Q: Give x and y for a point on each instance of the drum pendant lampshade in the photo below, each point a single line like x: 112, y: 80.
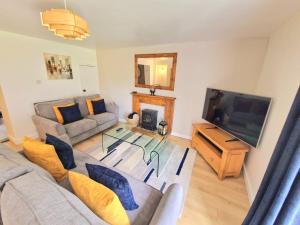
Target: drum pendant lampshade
x: 65, y: 23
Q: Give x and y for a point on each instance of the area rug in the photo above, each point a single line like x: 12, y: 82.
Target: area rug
x: 176, y: 162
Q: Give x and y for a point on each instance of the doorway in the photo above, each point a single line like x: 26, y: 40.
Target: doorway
x: 89, y: 79
x: 3, y: 132
x: 4, y: 121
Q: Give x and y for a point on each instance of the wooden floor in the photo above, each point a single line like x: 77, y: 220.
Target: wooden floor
x: 209, y: 201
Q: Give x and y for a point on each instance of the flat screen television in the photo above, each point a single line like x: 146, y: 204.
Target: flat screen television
x: 241, y: 115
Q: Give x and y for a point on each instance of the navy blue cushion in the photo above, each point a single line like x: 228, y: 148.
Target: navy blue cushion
x: 115, y: 182
x: 70, y: 113
x: 99, y: 106
x: 63, y: 150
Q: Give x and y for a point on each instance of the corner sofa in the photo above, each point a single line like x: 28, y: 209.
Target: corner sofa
x: 29, y: 195
x: 72, y: 133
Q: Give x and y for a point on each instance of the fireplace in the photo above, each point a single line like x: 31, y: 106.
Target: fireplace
x: 149, y: 119
x: 164, y: 101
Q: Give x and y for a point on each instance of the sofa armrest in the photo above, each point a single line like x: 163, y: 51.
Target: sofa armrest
x: 112, y: 108
x: 169, y: 207
x: 45, y: 125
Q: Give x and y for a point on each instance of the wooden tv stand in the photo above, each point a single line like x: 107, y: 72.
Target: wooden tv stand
x: 224, y: 156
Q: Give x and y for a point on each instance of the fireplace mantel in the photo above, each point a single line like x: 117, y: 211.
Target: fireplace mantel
x: 164, y: 101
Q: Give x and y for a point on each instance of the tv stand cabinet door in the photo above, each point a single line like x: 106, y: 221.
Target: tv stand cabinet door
x: 232, y: 163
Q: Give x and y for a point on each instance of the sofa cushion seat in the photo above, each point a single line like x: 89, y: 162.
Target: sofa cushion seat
x: 102, y: 118
x: 80, y: 126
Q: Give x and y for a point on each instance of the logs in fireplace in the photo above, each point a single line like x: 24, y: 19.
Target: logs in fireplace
x: 149, y: 119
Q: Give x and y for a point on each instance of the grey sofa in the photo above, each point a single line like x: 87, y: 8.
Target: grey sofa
x: 46, y: 122
x: 30, y: 195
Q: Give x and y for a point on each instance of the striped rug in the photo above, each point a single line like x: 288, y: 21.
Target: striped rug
x: 176, y: 162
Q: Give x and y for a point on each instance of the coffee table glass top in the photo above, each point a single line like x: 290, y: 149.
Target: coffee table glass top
x: 154, y: 146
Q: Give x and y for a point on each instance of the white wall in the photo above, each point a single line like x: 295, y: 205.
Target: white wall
x: 232, y: 65
x: 23, y: 77
x: 280, y: 79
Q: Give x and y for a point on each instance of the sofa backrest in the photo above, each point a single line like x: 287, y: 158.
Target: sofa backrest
x: 81, y: 100
x: 45, y: 109
x: 14, y: 164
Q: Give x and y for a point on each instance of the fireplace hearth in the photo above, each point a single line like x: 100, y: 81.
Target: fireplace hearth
x: 149, y: 119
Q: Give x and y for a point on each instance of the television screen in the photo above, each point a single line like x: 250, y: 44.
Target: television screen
x: 241, y: 115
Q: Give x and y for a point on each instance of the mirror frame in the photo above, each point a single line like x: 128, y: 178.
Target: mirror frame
x: 157, y: 55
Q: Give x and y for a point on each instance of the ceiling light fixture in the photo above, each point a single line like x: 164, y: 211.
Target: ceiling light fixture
x: 65, y: 23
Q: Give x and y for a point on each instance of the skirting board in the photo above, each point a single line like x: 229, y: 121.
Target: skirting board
x: 250, y: 193
x: 122, y: 120
x: 181, y: 135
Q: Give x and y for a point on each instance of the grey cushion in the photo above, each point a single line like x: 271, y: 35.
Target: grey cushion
x: 22, y: 161
x: 82, y: 103
x: 45, y: 109
x: 80, y: 126
x: 10, y: 170
x: 103, y: 117
x: 146, y: 196
x: 169, y: 207
x: 35, y: 200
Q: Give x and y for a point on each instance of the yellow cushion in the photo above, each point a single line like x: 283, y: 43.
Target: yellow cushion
x: 45, y: 156
x: 58, y: 115
x: 90, y: 105
x: 101, y: 200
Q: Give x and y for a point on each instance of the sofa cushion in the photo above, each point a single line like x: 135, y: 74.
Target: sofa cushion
x: 102, y: 118
x: 70, y: 113
x: 45, y: 109
x: 90, y: 105
x: 58, y: 114
x: 145, y: 196
x: 98, y: 106
x: 82, y: 103
x: 115, y: 182
x: 45, y: 156
x: 21, y: 160
x: 80, y: 126
x: 63, y: 150
x: 10, y: 170
x: 100, y: 199
x: 35, y: 200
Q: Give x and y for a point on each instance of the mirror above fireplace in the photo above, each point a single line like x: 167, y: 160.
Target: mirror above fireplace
x: 155, y: 70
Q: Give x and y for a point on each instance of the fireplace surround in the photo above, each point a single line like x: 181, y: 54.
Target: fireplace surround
x: 164, y: 101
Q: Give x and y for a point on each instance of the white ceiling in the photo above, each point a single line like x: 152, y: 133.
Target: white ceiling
x: 118, y: 23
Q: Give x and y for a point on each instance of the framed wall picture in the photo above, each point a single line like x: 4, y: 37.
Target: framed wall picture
x: 58, y: 66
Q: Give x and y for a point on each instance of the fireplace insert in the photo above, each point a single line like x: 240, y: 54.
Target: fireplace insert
x: 149, y: 119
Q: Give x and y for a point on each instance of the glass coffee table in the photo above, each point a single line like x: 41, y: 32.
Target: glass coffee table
x: 150, y: 142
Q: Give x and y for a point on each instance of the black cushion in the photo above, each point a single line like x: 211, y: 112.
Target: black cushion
x: 115, y: 182
x: 70, y: 113
x: 99, y: 106
x: 63, y: 150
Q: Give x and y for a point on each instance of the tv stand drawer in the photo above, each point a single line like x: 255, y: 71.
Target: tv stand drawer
x: 208, y: 152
